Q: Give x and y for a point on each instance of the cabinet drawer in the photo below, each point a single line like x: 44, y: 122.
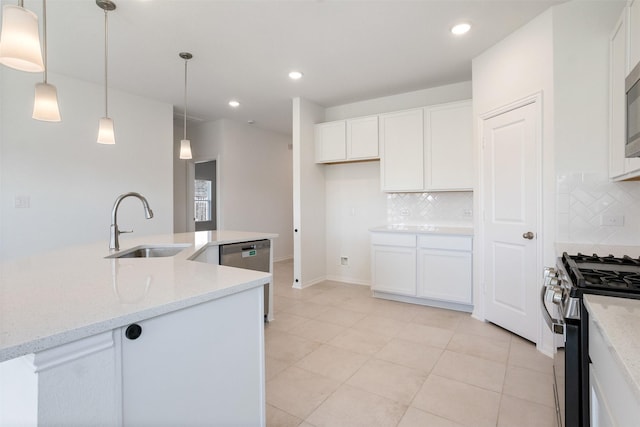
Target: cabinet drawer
x: 391, y: 239
x: 454, y: 243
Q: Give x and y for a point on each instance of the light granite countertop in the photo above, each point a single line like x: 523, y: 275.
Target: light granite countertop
x: 55, y: 298
x: 619, y: 318
x: 432, y: 228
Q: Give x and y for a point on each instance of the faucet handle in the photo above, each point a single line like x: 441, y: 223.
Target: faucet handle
x: 124, y: 231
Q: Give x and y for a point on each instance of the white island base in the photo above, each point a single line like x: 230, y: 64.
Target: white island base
x: 201, y: 365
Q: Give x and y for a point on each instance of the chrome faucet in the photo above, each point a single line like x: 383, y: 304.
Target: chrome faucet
x: 114, y: 241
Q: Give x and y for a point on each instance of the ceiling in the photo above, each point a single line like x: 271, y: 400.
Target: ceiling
x: 243, y: 50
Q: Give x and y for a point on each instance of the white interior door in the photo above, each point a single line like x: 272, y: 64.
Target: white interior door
x: 511, y: 197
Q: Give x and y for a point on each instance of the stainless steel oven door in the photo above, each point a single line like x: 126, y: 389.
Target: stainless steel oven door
x: 551, y: 297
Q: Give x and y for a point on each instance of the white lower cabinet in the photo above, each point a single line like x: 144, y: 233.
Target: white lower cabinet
x: 394, y: 263
x: 613, y: 401
x: 423, y: 269
x: 444, y: 268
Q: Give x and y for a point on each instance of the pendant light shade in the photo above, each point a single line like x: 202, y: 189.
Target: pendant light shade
x: 45, y: 106
x: 185, y: 144
x: 20, y: 40
x: 185, y: 149
x: 106, y: 134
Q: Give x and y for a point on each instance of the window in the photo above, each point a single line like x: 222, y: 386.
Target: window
x: 202, y: 200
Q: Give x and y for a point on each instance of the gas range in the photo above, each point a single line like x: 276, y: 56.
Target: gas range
x: 564, y: 312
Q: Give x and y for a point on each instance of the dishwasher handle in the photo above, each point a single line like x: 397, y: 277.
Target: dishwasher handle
x: 247, y: 248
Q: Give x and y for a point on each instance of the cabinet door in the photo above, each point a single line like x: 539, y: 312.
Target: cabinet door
x: 444, y: 275
x: 362, y: 138
x: 617, y: 102
x: 448, y: 135
x: 634, y: 34
x: 394, y: 269
x: 202, y: 365
x: 402, y: 148
x: 600, y: 412
x: 331, y: 143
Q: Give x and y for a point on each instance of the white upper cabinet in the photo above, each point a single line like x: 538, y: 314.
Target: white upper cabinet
x: 402, y: 151
x: 347, y: 140
x: 618, y: 72
x: 448, y: 147
x: 620, y: 168
x: 330, y: 141
x: 634, y: 34
x: 362, y: 138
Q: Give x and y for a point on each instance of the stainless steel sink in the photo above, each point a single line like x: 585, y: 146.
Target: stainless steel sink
x: 150, y: 251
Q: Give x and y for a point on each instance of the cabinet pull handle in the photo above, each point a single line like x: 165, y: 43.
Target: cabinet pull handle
x: 528, y: 235
x: 133, y: 331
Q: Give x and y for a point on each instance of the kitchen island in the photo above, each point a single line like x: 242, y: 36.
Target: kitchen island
x: 70, y: 357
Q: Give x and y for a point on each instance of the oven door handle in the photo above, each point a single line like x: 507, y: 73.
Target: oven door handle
x: 556, y: 325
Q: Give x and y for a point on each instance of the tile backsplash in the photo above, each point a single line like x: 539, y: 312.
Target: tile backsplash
x: 421, y: 208
x: 595, y: 211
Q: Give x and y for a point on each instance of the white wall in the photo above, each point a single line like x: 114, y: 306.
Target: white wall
x: 71, y: 180
x: 257, y: 184
x: 255, y: 187
x: 354, y: 203
x: 584, y: 193
x: 519, y: 66
x: 403, y: 101
x: 308, y: 198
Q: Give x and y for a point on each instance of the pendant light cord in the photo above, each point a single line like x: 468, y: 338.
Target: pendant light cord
x: 185, y: 98
x: 44, y: 39
x: 106, y: 62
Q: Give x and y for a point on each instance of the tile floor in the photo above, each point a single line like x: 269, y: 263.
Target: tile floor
x: 335, y: 356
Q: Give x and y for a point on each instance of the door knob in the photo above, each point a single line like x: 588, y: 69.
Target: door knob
x: 527, y: 235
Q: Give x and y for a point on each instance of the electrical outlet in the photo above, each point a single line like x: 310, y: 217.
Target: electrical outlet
x: 405, y: 212
x: 467, y: 212
x: 344, y: 260
x: 612, y: 220
x: 22, y: 202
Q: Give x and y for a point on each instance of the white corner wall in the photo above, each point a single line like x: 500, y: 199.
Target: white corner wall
x: 519, y: 66
x: 71, y: 182
x: 255, y: 170
x: 309, y: 242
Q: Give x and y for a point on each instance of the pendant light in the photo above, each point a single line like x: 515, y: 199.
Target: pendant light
x: 45, y: 104
x: 20, y: 39
x: 106, y: 134
x: 185, y: 144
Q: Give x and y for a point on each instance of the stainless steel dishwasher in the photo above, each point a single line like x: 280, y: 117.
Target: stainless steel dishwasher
x: 253, y: 255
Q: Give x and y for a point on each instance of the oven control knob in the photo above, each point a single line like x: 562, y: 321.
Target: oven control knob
x: 557, y: 296
x: 554, y: 282
x: 549, y: 271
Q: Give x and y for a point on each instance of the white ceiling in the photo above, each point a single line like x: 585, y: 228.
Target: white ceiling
x: 348, y: 50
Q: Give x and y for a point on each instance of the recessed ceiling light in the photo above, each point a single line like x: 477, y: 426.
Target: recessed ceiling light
x: 295, y: 75
x: 460, y: 29
x: 234, y: 104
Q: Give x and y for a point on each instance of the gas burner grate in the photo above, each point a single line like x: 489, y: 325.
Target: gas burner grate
x: 609, y: 259
x: 608, y: 273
